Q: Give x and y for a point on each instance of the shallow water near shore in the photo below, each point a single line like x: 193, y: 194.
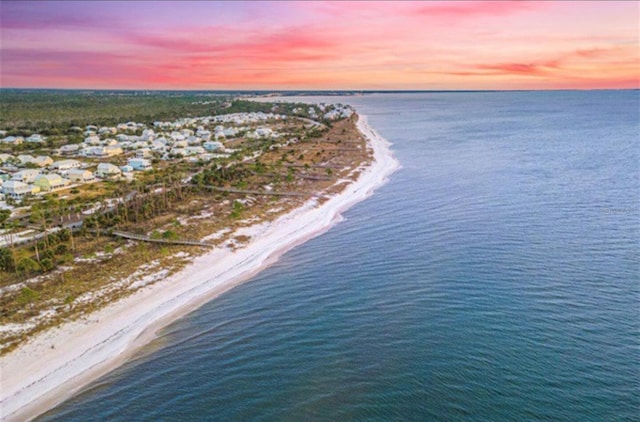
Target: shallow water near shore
x: 495, y: 277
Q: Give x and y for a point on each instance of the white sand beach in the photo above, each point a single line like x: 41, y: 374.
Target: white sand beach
x: 59, y: 362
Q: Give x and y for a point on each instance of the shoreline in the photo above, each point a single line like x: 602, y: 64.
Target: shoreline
x: 61, y: 361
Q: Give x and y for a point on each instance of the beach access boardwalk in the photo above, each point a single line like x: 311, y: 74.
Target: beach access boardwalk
x: 144, y: 238
x: 254, y: 192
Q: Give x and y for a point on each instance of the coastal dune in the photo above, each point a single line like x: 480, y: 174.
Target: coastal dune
x: 58, y: 363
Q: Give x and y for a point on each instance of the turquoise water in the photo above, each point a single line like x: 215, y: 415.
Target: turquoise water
x: 495, y: 277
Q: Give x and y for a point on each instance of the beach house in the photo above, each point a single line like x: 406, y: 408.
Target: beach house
x: 49, y: 182
x: 112, y: 150
x: 17, y: 190
x: 24, y: 159
x: 69, y: 149
x: 140, y: 164
x: 212, y: 146
x: 13, y: 140
x: 26, y: 176
x: 6, y: 157
x: 193, y: 150
x: 92, y: 140
x: 80, y: 176
x: 64, y: 165
x: 35, y: 138
x: 107, y: 171
x: 42, y: 161
x: 144, y: 153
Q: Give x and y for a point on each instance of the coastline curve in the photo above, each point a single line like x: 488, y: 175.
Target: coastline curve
x: 36, y: 377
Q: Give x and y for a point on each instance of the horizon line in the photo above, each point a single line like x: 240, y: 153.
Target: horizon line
x: 316, y: 90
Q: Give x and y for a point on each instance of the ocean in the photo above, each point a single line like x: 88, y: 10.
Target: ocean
x: 496, y: 277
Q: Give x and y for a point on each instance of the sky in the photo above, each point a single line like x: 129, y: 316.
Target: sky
x: 435, y: 45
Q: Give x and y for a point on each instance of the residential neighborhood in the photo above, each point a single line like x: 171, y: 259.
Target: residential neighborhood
x: 113, y: 152
x: 119, y: 152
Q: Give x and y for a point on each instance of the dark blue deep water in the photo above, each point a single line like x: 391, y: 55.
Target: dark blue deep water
x: 496, y: 277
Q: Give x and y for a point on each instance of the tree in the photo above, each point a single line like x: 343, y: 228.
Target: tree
x: 4, y: 215
x: 6, y: 259
x: 46, y: 264
x: 27, y: 266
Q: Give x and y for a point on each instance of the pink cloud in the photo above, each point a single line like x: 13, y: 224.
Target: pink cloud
x: 536, y: 69
x: 465, y: 9
x: 420, y: 44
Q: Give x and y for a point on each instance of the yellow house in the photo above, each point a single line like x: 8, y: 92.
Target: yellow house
x: 49, y: 182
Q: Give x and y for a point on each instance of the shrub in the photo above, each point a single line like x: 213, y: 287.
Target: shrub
x: 46, y: 264
x: 6, y: 259
x: 27, y: 295
x: 170, y: 235
x: 27, y: 265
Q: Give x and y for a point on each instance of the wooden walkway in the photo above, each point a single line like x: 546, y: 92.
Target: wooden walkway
x: 143, y: 238
x: 303, y: 176
x: 254, y: 192
x: 319, y: 147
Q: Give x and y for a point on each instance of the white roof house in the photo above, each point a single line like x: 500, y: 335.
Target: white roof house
x: 80, y: 175
x: 177, y: 136
x: 66, y: 165
x: 106, y: 170
x: 93, y: 152
x: 16, y: 189
x: 26, y: 176
x: 179, y: 152
x: 69, y: 148
x: 148, y: 134
x: 144, y: 153
x: 158, y: 146
x: 105, y: 129
x: 140, y: 164
x: 25, y: 158
x: 140, y: 144
x: 230, y: 132
x: 35, y: 138
x: 204, y: 134
x: 42, y: 161
x: 13, y: 140
x: 92, y: 140
x: 194, y: 150
x: 212, y: 146
x: 6, y: 157
x: 263, y: 131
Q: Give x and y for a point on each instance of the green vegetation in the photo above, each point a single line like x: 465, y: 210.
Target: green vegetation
x: 56, y: 112
x: 177, y: 200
